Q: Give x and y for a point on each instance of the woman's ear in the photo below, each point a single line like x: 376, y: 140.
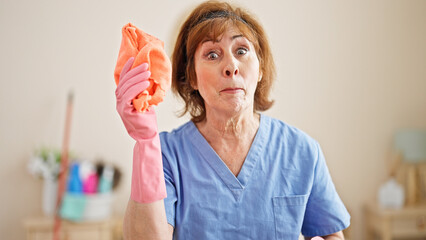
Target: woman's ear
x: 260, y: 75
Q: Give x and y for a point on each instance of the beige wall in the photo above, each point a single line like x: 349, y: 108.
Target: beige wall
x: 349, y: 73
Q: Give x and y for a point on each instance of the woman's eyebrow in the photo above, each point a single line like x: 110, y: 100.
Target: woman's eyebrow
x: 207, y: 40
x: 218, y: 40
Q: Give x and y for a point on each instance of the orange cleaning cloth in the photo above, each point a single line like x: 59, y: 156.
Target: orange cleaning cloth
x: 145, y: 49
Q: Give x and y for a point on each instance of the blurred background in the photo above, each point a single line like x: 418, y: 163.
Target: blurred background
x: 349, y: 73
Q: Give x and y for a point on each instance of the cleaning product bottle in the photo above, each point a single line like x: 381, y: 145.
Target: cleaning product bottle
x: 74, y: 181
x: 105, y: 182
x: 91, y: 184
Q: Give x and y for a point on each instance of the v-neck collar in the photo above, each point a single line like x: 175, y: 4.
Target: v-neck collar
x: 235, y: 184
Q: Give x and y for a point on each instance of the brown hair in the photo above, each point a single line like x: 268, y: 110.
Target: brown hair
x: 211, y: 19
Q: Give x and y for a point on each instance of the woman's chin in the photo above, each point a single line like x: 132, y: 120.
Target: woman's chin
x: 234, y: 108
x: 230, y: 105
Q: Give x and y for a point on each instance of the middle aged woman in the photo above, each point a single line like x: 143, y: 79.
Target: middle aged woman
x: 231, y: 172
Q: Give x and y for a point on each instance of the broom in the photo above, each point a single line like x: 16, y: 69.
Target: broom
x: 63, y: 173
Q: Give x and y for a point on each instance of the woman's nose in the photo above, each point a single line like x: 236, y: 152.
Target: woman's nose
x: 230, y: 69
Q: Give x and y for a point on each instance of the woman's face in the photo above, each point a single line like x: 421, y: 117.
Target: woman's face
x: 227, y: 73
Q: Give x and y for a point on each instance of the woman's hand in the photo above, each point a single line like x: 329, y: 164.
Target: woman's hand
x: 131, y: 83
x: 148, y: 184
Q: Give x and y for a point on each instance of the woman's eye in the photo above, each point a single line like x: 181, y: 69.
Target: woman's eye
x: 241, y: 51
x: 212, y: 55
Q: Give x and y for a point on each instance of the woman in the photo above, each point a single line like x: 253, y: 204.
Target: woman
x: 230, y: 173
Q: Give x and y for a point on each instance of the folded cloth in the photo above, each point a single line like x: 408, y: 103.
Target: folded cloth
x: 145, y: 49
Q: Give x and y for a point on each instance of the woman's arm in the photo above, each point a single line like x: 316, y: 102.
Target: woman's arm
x: 146, y: 221
x: 334, y: 236
x: 145, y: 216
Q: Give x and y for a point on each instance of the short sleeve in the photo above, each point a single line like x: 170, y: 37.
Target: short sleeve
x: 325, y: 212
x: 171, y: 199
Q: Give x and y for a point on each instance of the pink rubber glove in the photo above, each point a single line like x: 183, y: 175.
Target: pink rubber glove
x: 148, y: 183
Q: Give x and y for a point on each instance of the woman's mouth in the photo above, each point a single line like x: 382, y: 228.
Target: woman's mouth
x: 232, y: 90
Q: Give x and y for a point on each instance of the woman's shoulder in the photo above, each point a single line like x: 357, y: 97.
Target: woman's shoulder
x: 178, y: 136
x: 177, y: 131
x: 282, y: 127
x: 285, y: 132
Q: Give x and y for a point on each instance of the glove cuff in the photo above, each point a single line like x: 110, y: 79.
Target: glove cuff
x: 148, y: 184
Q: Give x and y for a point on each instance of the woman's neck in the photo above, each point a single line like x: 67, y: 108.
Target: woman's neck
x: 230, y: 137
x: 229, y: 127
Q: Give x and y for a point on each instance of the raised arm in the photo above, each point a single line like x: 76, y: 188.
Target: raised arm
x: 145, y: 215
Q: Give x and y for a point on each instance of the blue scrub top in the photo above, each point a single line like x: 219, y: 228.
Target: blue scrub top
x: 284, y: 187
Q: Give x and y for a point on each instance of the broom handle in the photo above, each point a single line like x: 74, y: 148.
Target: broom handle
x: 63, y: 173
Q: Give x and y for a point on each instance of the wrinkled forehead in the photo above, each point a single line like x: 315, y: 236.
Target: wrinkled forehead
x: 229, y: 35
x: 215, y: 29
